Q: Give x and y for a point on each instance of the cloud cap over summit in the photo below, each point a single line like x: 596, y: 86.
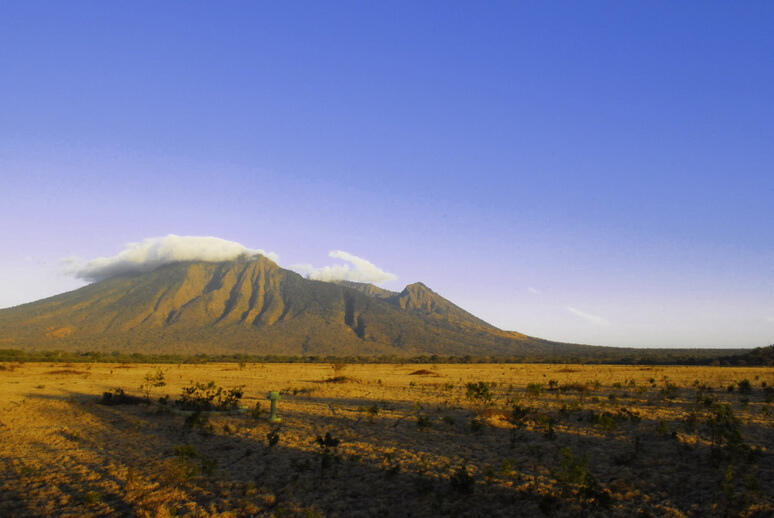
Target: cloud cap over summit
x: 150, y: 253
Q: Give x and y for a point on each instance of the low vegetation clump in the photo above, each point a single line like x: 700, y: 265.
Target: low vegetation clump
x: 329, y: 453
x: 189, y: 463
x: 119, y: 397
x: 480, y: 392
x: 422, y: 372
x: 462, y: 481
x: 339, y: 379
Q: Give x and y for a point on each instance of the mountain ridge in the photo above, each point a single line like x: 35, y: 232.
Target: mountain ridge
x: 252, y: 305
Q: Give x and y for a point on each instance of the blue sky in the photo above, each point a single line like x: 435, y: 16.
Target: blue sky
x: 598, y: 172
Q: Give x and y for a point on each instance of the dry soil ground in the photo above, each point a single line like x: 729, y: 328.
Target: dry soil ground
x: 533, y: 440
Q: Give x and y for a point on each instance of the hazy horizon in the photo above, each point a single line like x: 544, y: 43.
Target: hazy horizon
x: 591, y: 173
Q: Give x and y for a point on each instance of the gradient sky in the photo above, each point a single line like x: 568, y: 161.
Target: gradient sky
x: 596, y: 172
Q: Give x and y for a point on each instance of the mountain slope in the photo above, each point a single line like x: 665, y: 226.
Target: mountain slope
x: 252, y: 305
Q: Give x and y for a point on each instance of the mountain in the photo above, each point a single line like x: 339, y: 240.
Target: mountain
x: 251, y: 305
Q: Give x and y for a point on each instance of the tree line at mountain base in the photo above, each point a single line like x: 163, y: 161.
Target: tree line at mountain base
x: 757, y: 356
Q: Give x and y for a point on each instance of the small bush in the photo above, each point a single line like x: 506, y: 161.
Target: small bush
x: 190, y: 463
x: 92, y: 498
x: 745, y: 387
x: 200, y: 421
x: 203, y: 397
x: 669, y: 391
x: 155, y: 380
x: 723, y: 427
x: 479, y: 392
x: 329, y: 451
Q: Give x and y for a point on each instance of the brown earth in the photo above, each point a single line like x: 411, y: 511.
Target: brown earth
x: 608, y: 441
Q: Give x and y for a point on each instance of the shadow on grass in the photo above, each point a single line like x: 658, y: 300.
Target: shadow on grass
x: 377, y: 470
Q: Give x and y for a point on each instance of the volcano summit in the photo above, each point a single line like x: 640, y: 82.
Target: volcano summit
x: 251, y: 305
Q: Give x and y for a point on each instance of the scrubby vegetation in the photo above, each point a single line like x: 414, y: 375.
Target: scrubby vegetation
x: 209, y: 396
x: 548, y: 440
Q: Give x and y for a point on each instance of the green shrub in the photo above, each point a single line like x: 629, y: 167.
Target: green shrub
x: 577, y: 387
x: 479, y: 392
x: 273, y: 437
x: 190, y: 463
x: 423, y: 422
x: 154, y: 380
x: 92, y: 498
x: 534, y: 389
x: 669, y: 391
x: 573, y: 470
x: 208, y: 396
x: 606, y: 421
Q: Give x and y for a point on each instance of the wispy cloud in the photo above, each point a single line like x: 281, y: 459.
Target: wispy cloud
x: 770, y: 319
x: 534, y: 291
x: 153, y: 252
x: 358, y: 269
x: 593, y: 319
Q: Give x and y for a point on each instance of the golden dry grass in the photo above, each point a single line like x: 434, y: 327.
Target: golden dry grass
x: 637, y: 442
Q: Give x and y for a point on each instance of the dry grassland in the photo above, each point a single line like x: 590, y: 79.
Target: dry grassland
x: 531, y: 440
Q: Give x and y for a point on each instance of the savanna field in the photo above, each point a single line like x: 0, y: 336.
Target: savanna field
x: 385, y: 440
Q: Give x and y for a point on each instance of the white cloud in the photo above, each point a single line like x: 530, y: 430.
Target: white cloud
x: 156, y: 251
x: 534, y: 291
x: 151, y: 253
x: 594, y: 319
x: 770, y: 319
x: 359, y: 270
